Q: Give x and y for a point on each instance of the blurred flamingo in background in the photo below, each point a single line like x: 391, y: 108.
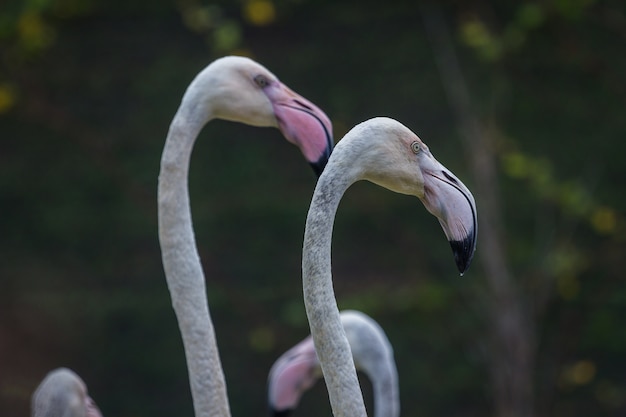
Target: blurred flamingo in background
x: 62, y: 393
x: 298, y: 369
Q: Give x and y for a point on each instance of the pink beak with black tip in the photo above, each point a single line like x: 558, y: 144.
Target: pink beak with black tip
x: 303, y: 124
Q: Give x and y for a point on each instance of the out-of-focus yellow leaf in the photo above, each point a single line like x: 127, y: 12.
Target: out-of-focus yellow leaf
x: 200, y: 18
x: 530, y: 15
x: 515, y: 165
x: 579, y: 373
x: 262, y: 339
x: 227, y: 36
x: 604, y: 220
x: 33, y: 31
x: 568, y: 286
x: 474, y: 33
x: 259, y: 12
x: 540, y: 171
x: 7, y: 98
x: 574, y: 198
x: 565, y: 263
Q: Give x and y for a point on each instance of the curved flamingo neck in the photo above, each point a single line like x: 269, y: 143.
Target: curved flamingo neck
x: 328, y: 333
x: 183, y: 270
x: 373, y: 355
x: 384, y: 380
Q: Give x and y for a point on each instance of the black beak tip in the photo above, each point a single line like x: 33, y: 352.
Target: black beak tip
x: 318, y: 167
x: 320, y: 164
x: 279, y: 413
x: 463, y: 251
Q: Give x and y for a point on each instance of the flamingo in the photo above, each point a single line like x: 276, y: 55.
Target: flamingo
x: 236, y: 89
x: 298, y: 369
x: 62, y: 393
x: 387, y: 153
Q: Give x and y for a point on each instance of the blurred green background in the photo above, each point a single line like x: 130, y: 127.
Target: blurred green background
x: 522, y: 100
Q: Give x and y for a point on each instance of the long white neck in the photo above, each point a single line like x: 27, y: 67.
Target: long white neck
x: 183, y: 270
x: 373, y: 355
x: 384, y: 380
x: 328, y: 334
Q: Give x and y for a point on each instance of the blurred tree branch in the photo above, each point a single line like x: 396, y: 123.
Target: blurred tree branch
x: 512, y: 348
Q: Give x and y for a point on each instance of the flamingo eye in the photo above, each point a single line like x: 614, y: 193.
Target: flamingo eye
x: 261, y: 81
x: 415, y: 147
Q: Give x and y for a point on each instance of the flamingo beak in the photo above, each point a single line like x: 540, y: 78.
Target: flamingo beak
x: 448, y: 199
x: 92, y: 408
x: 291, y: 375
x: 281, y: 413
x: 303, y: 124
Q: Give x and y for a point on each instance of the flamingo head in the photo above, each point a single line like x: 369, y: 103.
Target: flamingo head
x: 62, y: 392
x: 291, y: 375
x: 239, y: 89
x: 392, y: 156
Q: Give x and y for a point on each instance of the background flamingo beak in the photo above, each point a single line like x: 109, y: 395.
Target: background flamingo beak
x: 290, y: 376
x: 303, y: 124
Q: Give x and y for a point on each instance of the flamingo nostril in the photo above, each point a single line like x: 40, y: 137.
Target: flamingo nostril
x: 306, y: 106
x: 449, y: 177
